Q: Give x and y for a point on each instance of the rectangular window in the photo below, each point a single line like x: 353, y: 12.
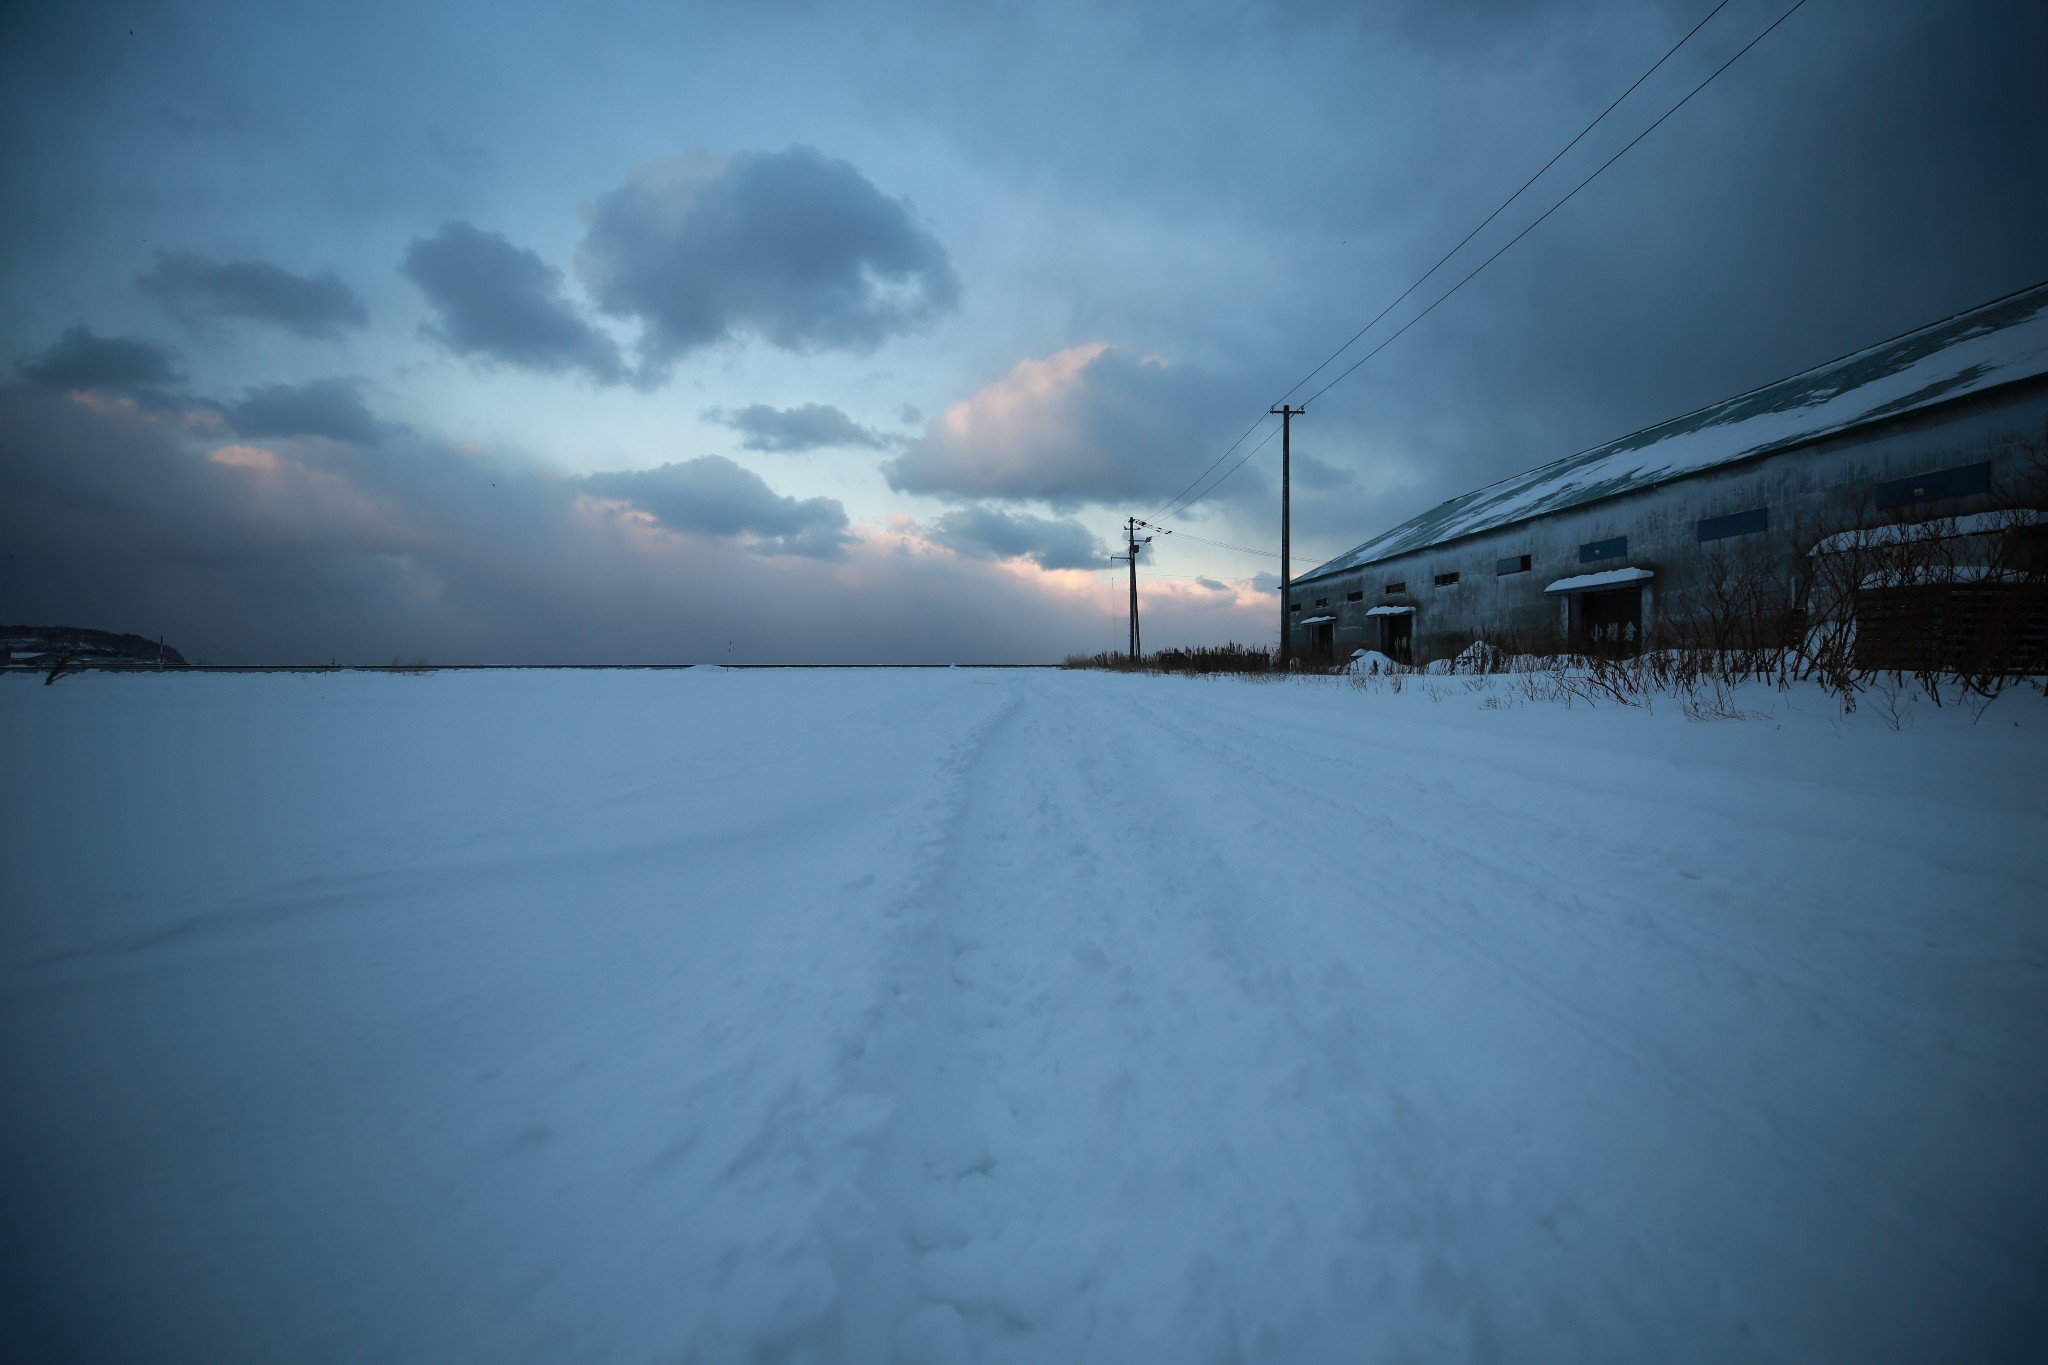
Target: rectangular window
x: 1942, y: 483
x: 1593, y: 551
x: 1295, y: 607
x: 1512, y: 564
x: 1322, y: 601
x: 1735, y: 524
x: 1444, y: 580
x: 1396, y: 589
x: 1354, y: 597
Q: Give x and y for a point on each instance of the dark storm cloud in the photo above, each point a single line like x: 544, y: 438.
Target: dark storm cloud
x: 1090, y: 424
x: 333, y: 408
x: 500, y: 302
x: 814, y: 426
x: 990, y: 533
x: 199, y: 290
x: 793, y: 247
x: 711, y: 495
x: 81, y: 360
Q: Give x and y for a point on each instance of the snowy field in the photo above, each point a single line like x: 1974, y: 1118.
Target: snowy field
x: 964, y: 1015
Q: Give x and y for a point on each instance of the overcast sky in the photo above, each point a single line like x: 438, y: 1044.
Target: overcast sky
x: 620, y: 332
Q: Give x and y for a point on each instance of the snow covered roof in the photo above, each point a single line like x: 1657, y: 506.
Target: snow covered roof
x: 1391, y: 611
x: 1606, y: 578
x: 1316, y: 621
x: 1995, y: 344
x: 1942, y: 528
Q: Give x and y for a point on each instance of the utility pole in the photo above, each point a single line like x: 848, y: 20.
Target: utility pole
x: 1286, y: 416
x: 1130, y: 556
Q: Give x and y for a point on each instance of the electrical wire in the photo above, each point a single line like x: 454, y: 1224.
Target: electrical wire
x: 1167, y: 508
x: 1176, y: 511
x: 1796, y: 6
x: 1467, y: 279
x: 1420, y: 279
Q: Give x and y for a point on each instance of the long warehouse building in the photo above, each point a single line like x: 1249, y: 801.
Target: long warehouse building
x: 1942, y: 427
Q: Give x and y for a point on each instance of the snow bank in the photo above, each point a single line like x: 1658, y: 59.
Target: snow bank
x: 955, y: 1016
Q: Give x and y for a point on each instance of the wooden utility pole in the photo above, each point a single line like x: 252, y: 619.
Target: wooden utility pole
x: 1130, y: 556
x: 1287, y: 416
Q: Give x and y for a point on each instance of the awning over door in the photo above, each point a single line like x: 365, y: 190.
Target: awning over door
x: 1316, y: 621
x: 1391, y: 611
x: 1594, y: 582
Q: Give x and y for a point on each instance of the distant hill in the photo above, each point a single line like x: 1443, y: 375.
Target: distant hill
x: 47, y: 644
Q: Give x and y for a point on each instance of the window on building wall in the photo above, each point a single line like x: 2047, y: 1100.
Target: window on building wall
x: 1942, y: 483
x: 1322, y: 601
x: 1593, y: 551
x: 1735, y: 524
x: 1444, y: 580
x: 1295, y: 607
x: 1354, y: 597
x: 1512, y: 564
x: 1396, y: 589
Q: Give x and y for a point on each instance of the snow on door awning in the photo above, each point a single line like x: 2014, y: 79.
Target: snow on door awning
x: 1391, y: 611
x: 1318, y: 621
x: 1606, y: 578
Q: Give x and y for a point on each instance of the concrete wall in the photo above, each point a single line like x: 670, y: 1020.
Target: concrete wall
x: 1810, y: 490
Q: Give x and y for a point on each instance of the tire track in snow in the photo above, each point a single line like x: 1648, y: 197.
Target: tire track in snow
x: 1108, y: 1129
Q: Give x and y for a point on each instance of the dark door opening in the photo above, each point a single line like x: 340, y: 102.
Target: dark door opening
x: 1611, y: 623
x: 1397, y: 634
x: 1322, y: 640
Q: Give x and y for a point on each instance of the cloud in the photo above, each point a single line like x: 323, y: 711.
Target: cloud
x: 500, y: 302
x: 711, y: 495
x: 1320, y: 476
x: 989, y: 533
x: 1092, y: 423
x: 333, y: 408
x: 80, y: 360
x: 814, y: 426
x: 199, y: 290
x: 117, y: 514
x: 793, y: 247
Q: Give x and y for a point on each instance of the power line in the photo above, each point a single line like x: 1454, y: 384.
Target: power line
x: 1168, y: 508
x: 1353, y: 367
x: 1176, y: 511
x: 1507, y: 201
x: 1796, y: 5
x: 1219, y: 544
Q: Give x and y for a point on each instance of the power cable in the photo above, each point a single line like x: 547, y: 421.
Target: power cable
x: 1796, y: 5
x: 1167, y: 508
x: 1353, y: 367
x: 1164, y: 508
x: 1505, y: 202
x: 1176, y: 511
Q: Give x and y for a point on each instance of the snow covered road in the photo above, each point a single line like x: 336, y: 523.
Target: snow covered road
x: 971, y: 1015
